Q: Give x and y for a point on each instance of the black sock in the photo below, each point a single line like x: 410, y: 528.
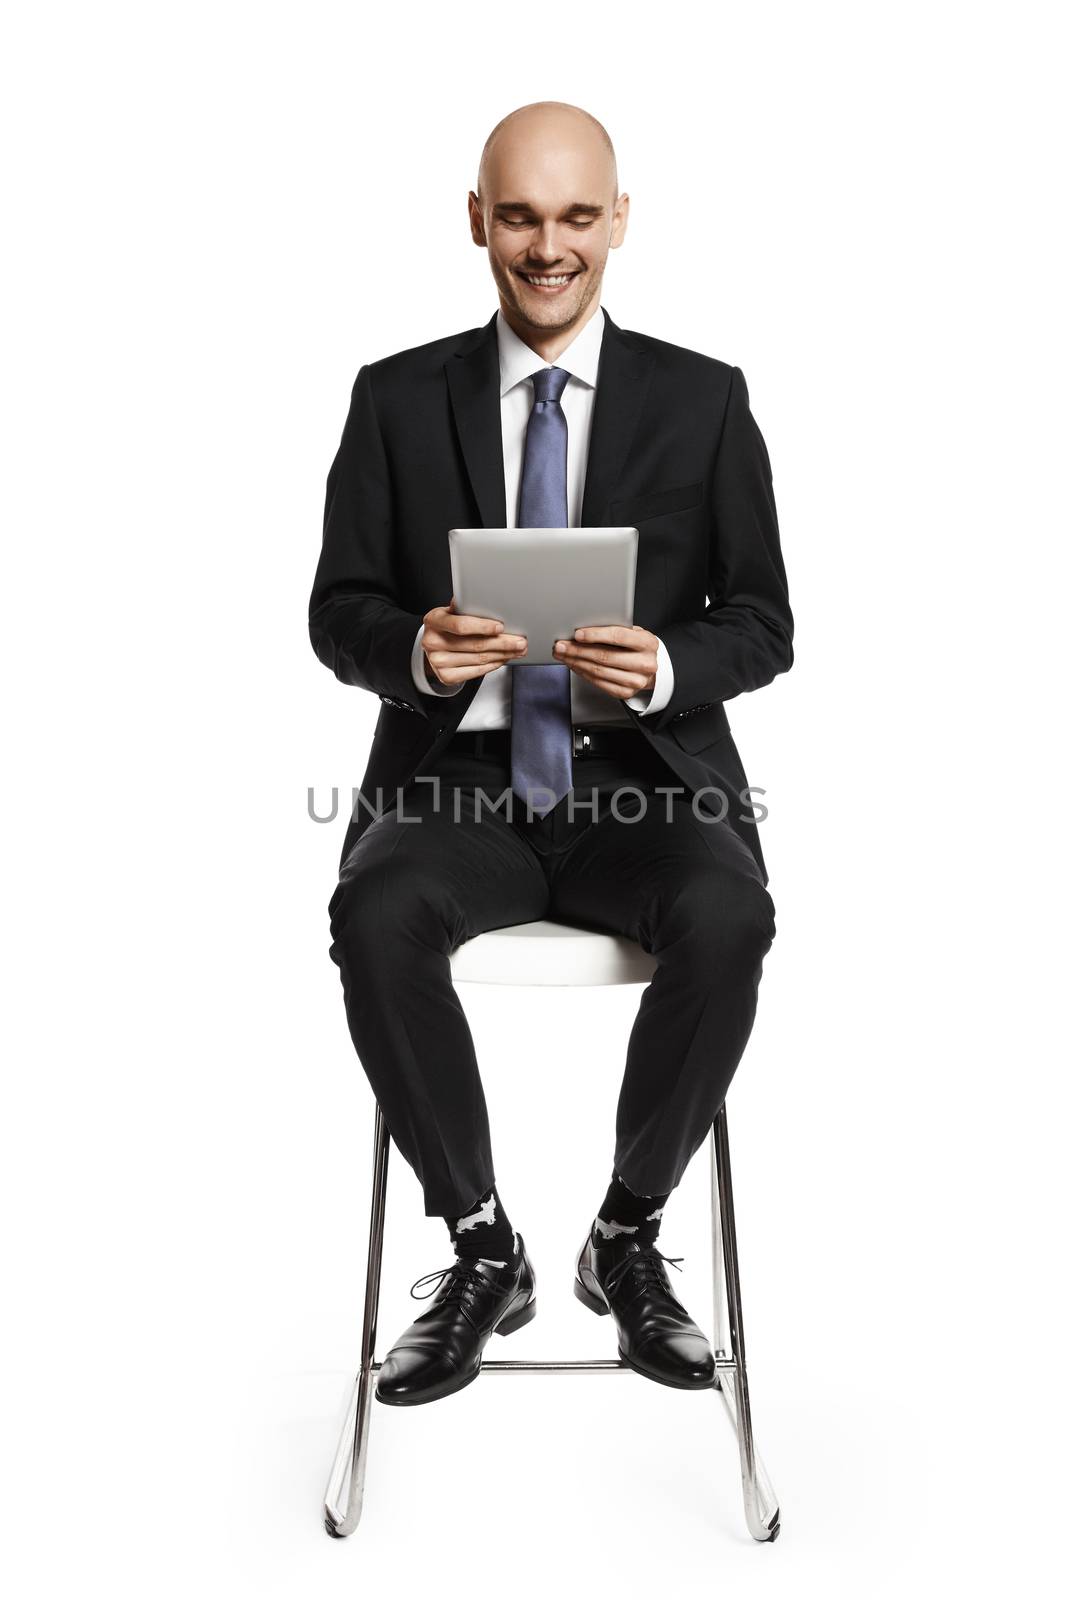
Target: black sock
x: 638, y: 1216
x: 484, y: 1232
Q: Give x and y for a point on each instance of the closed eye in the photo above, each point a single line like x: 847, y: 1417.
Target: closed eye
x: 518, y: 222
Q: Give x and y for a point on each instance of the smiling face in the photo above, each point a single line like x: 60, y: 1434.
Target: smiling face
x: 548, y: 212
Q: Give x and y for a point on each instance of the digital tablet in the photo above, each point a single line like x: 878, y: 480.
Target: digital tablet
x: 545, y: 582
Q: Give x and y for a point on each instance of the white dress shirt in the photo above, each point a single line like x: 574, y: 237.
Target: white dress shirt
x: 491, y: 705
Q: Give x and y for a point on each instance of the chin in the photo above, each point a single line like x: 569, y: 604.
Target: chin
x: 546, y: 318
x: 552, y: 314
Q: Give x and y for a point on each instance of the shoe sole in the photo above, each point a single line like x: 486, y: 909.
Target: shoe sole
x: 602, y: 1309
x: 513, y: 1320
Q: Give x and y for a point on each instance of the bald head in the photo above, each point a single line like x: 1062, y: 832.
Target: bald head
x: 545, y: 125
x: 548, y: 210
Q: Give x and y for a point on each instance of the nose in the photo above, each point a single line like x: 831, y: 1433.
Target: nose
x: 545, y: 248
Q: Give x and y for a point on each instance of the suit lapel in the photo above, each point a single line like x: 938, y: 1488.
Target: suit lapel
x: 623, y: 378
x: 474, y: 388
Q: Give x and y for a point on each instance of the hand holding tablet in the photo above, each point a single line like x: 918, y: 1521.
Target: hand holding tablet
x: 459, y: 647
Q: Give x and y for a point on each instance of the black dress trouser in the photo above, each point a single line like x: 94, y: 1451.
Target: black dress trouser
x: 685, y: 887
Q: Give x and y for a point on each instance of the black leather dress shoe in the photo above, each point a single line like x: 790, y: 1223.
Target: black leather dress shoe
x: 442, y: 1350
x: 657, y: 1336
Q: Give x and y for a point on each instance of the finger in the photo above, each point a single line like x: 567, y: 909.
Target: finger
x: 438, y: 614
x: 449, y: 617
x: 611, y: 678
x: 618, y: 691
x: 444, y: 639
x: 607, y: 655
x: 460, y: 627
x: 465, y: 658
x: 614, y: 633
x: 460, y: 622
x: 461, y: 674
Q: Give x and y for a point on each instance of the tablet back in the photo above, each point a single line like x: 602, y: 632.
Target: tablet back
x: 545, y: 582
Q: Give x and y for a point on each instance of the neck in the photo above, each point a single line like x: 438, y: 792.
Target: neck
x: 549, y: 343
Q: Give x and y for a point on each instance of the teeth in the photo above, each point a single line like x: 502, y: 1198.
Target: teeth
x: 550, y: 282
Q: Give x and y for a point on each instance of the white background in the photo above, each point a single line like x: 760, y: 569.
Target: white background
x: 216, y: 214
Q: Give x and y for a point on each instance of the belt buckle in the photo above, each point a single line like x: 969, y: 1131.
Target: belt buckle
x: 580, y: 740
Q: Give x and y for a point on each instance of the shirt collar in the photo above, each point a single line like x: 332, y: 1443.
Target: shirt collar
x: 581, y: 357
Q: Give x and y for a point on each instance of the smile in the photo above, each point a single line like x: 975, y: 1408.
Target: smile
x: 548, y: 282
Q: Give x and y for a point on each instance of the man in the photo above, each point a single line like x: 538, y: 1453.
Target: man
x: 578, y: 790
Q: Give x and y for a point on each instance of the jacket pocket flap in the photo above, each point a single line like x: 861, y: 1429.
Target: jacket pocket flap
x: 641, y: 507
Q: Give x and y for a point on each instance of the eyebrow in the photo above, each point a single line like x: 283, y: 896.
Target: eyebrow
x: 586, y: 207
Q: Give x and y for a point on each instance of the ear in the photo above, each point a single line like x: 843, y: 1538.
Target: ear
x: 474, y: 212
x: 620, y: 217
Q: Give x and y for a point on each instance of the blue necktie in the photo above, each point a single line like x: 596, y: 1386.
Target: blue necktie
x: 541, y: 738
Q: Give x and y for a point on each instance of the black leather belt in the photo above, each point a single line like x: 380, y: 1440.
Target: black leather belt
x: 585, y: 741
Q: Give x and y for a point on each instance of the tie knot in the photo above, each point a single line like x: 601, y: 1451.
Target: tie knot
x: 549, y: 383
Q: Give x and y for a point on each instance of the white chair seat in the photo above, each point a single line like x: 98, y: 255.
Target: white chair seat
x: 550, y: 953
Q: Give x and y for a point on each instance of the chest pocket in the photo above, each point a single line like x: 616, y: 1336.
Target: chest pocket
x: 657, y: 503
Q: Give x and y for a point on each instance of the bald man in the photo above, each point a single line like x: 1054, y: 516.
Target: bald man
x: 602, y: 789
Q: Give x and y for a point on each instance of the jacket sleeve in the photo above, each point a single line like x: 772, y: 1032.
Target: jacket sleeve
x: 358, y: 627
x: 745, y: 636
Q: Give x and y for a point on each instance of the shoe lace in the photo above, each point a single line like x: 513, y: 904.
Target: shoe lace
x: 460, y: 1278
x: 647, y: 1264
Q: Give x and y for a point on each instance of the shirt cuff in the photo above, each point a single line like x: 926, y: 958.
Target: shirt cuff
x: 654, y: 699
x: 418, y: 670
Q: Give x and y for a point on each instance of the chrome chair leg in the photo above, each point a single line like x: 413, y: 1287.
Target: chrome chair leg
x: 344, y: 1492
x: 761, y: 1503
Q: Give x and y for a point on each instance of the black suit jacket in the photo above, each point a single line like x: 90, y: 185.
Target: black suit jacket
x: 673, y: 450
